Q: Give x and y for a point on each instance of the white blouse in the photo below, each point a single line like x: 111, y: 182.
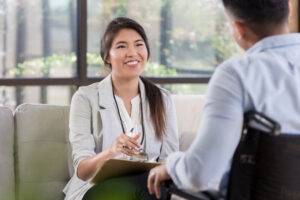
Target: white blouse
x: 132, y: 123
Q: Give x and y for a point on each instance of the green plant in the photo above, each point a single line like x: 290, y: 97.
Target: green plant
x: 155, y: 69
x: 41, y: 67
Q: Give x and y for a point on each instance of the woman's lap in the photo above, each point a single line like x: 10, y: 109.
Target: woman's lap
x: 128, y: 187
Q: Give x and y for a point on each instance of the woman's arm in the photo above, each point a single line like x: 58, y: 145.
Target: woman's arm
x: 81, y: 138
x: 88, y: 167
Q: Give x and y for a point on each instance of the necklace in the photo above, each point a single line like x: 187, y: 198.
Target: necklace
x: 142, y: 115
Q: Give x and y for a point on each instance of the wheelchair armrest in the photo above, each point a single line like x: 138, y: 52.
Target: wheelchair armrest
x: 260, y: 121
x: 168, y: 188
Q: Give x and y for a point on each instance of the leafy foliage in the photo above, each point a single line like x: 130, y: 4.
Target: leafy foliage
x: 41, y: 67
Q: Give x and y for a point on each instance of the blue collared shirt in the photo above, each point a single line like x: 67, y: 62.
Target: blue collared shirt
x: 266, y: 78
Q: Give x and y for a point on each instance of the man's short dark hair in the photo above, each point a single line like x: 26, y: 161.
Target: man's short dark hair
x: 261, y: 13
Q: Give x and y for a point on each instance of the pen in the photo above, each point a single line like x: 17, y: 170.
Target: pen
x: 130, y: 133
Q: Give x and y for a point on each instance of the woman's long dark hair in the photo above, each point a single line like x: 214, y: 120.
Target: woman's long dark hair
x: 153, y: 93
x: 157, y: 107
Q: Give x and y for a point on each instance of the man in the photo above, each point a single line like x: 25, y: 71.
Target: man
x: 267, y: 76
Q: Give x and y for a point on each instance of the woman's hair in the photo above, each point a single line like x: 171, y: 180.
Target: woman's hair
x: 157, y: 107
x: 260, y: 15
x: 153, y: 93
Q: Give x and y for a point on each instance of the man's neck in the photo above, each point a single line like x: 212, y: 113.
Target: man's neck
x: 279, y: 30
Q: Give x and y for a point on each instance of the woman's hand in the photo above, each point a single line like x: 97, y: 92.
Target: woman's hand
x: 156, y: 176
x: 125, y: 144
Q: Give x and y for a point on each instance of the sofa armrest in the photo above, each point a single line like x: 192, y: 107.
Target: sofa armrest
x: 7, y: 176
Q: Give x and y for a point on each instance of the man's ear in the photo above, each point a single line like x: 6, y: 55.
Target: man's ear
x: 240, y: 29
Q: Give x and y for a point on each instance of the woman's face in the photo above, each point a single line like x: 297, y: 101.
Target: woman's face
x: 128, y: 54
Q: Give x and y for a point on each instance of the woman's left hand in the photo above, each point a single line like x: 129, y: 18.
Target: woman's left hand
x: 156, y: 176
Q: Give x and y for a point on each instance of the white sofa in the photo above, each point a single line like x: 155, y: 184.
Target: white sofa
x: 35, y: 151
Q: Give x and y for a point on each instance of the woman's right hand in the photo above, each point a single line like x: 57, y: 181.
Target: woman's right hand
x: 126, y: 145
x: 123, y: 144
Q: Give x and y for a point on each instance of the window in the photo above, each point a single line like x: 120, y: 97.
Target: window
x: 185, y: 45
x: 38, y: 39
x: 49, y: 48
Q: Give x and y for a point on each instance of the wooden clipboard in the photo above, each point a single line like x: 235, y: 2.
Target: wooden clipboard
x: 118, y: 167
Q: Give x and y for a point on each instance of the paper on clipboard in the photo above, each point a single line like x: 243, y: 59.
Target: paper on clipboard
x: 118, y: 167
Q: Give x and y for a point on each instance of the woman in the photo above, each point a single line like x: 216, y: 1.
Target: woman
x: 265, y: 79
x: 119, y: 117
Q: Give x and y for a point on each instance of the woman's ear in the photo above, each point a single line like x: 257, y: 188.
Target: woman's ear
x: 107, y: 60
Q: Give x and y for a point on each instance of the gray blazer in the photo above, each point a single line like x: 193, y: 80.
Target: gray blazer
x: 95, y: 125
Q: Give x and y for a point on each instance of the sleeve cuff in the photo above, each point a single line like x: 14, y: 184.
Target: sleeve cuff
x: 171, y: 163
x: 76, y: 164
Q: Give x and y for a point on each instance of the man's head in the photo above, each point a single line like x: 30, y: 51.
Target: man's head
x: 261, y: 18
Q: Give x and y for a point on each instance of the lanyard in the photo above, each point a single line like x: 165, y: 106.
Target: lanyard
x: 142, y: 115
x: 142, y: 119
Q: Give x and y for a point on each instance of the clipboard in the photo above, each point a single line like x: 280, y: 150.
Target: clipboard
x: 118, y: 167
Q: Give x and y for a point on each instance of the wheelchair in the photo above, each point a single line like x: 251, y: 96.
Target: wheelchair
x: 265, y: 165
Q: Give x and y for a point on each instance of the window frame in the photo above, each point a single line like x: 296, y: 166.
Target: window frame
x: 81, y: 77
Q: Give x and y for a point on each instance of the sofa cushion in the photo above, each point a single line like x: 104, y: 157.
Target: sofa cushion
x: 42, y: 151
x: 188, y: 109
x: 7, y: 178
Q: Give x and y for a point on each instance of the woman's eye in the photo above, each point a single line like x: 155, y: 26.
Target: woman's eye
x: 139, y: 44
x: 121, y: 46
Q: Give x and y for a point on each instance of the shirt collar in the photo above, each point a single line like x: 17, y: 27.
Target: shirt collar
x: 106, y: 96
x: 274, y: 42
